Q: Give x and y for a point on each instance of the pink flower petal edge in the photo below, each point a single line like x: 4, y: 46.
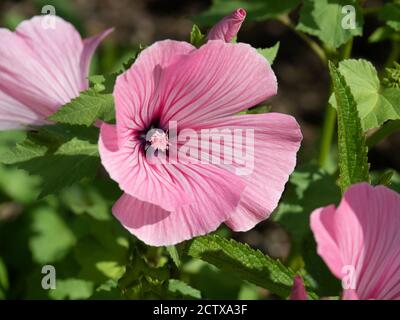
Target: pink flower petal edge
x: 228, y: 27
x: 41, y: 69
x: 360, y: 241
x: 203, y: 88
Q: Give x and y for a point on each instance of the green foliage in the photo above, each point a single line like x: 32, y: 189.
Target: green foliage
x: 390, y: 13
x: 375, y: 104
x: 270, y: 53
x: 3, y: 280
x: 309, y: 188
x: 353, y: 160
x: 323, y: 18
x: 392, y: 79
x: 256, y: 9
x: 174, y: 254
x: 86, y: 109
x: 61, y: 155
x: 239, y: 259
x: 52, y: 238
x: 181, y: 288
x: 196, y: 37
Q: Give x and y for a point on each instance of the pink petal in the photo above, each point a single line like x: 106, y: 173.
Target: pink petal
x: 298, y: 291
x: 217, y: 80
x: 135, y: 90
x: 89, y: 47
x: 277, y: 139
x: 215, y: 195
x: 228, y: 27
x: 362, y: 233
x: 168, y: 186
x: 13, y: 114
x: 40, y: 66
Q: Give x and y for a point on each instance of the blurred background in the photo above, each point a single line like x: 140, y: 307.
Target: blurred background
x: 33, y: 233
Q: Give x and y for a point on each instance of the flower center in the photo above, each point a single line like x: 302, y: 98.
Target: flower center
x: 157, y: 139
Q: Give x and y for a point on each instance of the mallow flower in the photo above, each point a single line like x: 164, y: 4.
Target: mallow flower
x: 43, y: 65
x: 360, y: 242
x: 172, y: 106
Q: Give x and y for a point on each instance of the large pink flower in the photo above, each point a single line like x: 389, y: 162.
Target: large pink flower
x: 166, y: 203
x: 42, y: 67
x: 360, y: 241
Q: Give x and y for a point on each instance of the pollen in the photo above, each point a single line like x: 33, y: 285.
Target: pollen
x: 158, y: 139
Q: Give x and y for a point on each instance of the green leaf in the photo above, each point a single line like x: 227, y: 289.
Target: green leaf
x: 382, y: 34
x: 174, y: 254
x: 72, y: 289
x: 180, y: 288
x: 61, y: 155
x: 196, y: 37
x: 353, y: 160
x: 52, y: 239
x: 242, y: 261
x: 390, y: 13
x: 323, y: 18
x: 256, y: 10
x: 89, y: 106
x: 3, y: 280
x: 270, y: 53
x: 375, y: 104
x: 309, y: 188
x: 386, y: 177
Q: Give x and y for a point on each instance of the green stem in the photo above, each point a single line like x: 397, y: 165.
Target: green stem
x: 329, y: 126
x: 327, y: 135
x: 284, y: 19
x: 387, y: 129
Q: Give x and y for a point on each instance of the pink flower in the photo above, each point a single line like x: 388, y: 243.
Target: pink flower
x: 228, y: 27
x: 198, y: 89
x: 360, y: 241
x: 42, y: 67
x: 298, y: 291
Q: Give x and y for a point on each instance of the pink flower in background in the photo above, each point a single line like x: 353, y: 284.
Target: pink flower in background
x: 41, y: 69
x: 360, y: 241
x: 228, y: 27
x: 198, y: 89
x: 298, y: 291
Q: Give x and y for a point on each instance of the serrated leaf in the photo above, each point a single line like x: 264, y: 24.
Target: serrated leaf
x: 256, y: 10
x: 270, y: 53
x: 196, y: 37
x: 178, y: 287
x: 59, y: 154
x: 353, y: 160
x: 244, y: 262
x: 89, y: 106
x: 390, y: 13
x: 174, y: 254
x: 375, y: 104
x: 323, y: 18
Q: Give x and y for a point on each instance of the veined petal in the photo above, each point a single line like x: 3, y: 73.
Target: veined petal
x: 261, y: 149
x: 40, y: 65
x: 217, y: 80
x: 135, y: 90
x: 360, y: 242
x: 215, y: 195
x: 169, y: 186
